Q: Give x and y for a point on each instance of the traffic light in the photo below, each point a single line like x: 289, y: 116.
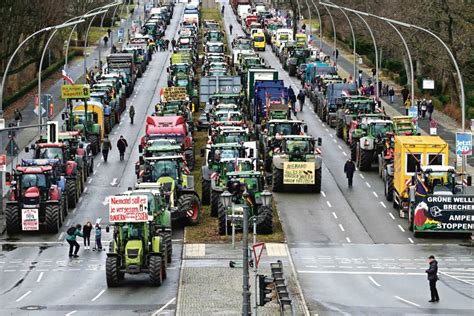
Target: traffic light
x: 53, y: 132
x: 265, y: 287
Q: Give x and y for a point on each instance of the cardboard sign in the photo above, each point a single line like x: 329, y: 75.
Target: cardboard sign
x: 75, y: 91
x: 125, y: 208
x: 173, y: 93
x: 298, y: 173
x: 29, y: 219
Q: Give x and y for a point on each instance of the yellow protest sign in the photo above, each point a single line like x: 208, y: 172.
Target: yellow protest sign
x: 75, y: 91
x: 298, y: 173
x: 173, y: 94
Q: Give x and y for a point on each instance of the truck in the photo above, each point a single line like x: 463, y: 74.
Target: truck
x: 211, y: 85
x: 123, y: 63
x: 265, y: 92
x: 258, y: 74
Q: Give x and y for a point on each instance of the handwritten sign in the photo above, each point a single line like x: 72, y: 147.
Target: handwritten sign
x: 298, y: 173
x: 125, y: 208
x: 173, y: 93
x: 75, y: 91
x: 29, y: 219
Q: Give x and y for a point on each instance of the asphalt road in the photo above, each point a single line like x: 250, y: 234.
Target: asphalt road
x: 355, y: 224
x: 35, y: 270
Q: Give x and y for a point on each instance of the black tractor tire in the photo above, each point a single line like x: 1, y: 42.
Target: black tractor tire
x: 365, y: 159
x: 190, y: 202
x: 64, y: 208
x: 112, y: 273
x: 318, y: 177
x: 95, y: 145
x: 191, y: 161
x: 206, y: 192
x: 107, y: 125
x: 155, y: 270
x: 268, y: 163
x: 169, y: 247
x: 91, y: 167
x: 52, y: 218
x: 292, y: 70
x: 277, y: 180
x: 265, y: 224
x: 388, y: 188
x: 339, y: 128
x: 353, y: 147
x: 215, y: 197
x: 71, y: 190
x: 12, y: 219
x: 222, y: 214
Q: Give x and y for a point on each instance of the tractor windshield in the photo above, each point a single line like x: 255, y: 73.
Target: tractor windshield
x: 33, y: 180
x: 182, y: 83
x: 215, y: 48
x: 301, y: 146
x: 282, y: 129
x: 230, y: 153
x: 381, y: 129
x: 233, y: 138
x: 51, y: 153
x: 165, y: 168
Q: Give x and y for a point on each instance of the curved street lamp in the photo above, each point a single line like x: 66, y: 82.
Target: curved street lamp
x: 320, y: 25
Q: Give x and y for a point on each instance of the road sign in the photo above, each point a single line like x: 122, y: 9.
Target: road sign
x: 43, y: 111
x: 123, y: 208
x: 428, y: 84
x: 257, y: 252
x: 75, y: 91
x: 413, y: 111
x: 464, y: 144
x: 3, y: 162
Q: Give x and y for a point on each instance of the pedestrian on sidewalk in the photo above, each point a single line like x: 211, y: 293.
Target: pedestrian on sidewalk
x: 407, y: 105
x: 167, y: 44
x: 430, y: 109
x: 71, y: 235
x: 380, y: 88
x: 424, y: 106
x: 106, y: 146
x: 106, y: 39
x: 109, y: 31
x: 131, y: 112
x: 301, y: 98
x: 173, y: 43
x: 230, y: 29
x: 122, y: 146
x: 391, y: 94
x: 18, y: 117
x: 98, y: 237
x: 86, y: 232
x: 432, y: 272
x: 405, y: 94
x: 349, y: 169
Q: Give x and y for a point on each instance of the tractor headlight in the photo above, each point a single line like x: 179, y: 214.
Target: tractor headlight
x: 266, y: 198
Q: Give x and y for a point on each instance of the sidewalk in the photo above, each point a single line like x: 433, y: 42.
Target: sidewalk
x: 208, y: 286
x: 447, y: 126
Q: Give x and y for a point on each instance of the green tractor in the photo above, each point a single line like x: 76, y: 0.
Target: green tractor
x: 298, y: 165
x: 245, y: 192
x: 371, y: 145
x: 172, y: 174
x: 352, y: 107
x: 234, y: 134
x: 295, y: 58
x: 358, y: 128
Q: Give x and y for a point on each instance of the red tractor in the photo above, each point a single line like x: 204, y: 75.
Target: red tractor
x: 69, y: 167
x: 35, y: 198
x: 171, y: 127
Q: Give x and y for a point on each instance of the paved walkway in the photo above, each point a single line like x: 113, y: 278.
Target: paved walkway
x: 208, y: 286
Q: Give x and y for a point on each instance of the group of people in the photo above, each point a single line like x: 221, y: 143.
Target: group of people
x: 292, y: 97
x: 122, y: 145
x: 74, y: 231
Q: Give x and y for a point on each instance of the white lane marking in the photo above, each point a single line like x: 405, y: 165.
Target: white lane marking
x: 367, y: 184
x: 334, y: 214
x: 401, y: 228
x: 361, y: 272
x: 361, y: 175
x: 383, y: 204
x: 411, y: 240
x: 341, y: 227
x: 334, y: 140
x: 114, y: 182
x: 344, y: 153
x: 23, y: 296
x: 375, y: 193
x: 98, y: 165
x: 74, y: 210
x: 323, y: 193
x: 40, y: 276
x: 115, y: 133
x: 348, y: 239
x: 323, y: 125
x: 85, y: 190
x: 461, y: 280
x: 97, y: 296
x: 164, y: 306
x: 373, y: 281
x: 89, y: 181
x: 391, y: 215
x: 68, y: 222
x: 327, y: 130
x: 339, y: 146
x: 328, y: 203
x: 406, y: 301
x: 120, y: 123
x: 95, y: 171
x: 60, y: 237
x: 105, y: 201
x: 70, y: 313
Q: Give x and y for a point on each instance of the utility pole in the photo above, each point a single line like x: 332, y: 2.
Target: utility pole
x: 294, y: 8
x: 245, y: 249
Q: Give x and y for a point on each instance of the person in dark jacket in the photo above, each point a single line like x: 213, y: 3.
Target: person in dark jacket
x: 301, y: 97
x: 430, y: 109
x: 86, y: 232
x: 432, y: 278
x: 106, y: 146
x: 405, y: 94
x: 122, y: 146
x: 349, y: 169
x: 292, y: 99
x: 391, y: 94
x: 71, y: 240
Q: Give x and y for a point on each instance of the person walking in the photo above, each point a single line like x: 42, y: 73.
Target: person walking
x: 405, y: 94
x: 131, y: 112
x: 432, y: 272
x: 391, y: 94
x: 86, y: 232
x: 106, y: 39
x: 424, y: 106
x: 230, y: 29
x: 106, y: 146
x: 71, y: 235
x: 173, y: 43
x: 122, y: 146
x: 18, y: 117
x: 292, y: 99
x: 430, y: 109
x: 349, y: 169
x: 167, y: 44
x: 407, y: 104
x: 98, y: 237
x: 301, y: 97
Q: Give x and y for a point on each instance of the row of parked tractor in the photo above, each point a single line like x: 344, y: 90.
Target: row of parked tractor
x: 45, y: 187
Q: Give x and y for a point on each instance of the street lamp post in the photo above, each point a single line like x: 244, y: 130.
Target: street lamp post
x: 320, y: 25
x: 334, y: 30
x: 310, y: 19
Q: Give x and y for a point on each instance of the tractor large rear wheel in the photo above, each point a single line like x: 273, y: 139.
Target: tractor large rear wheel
x: 277, y: 180
x: 52, y: 218
x: 388, y: 188
x: 94, y: 140
x: 222, y: 215
x: 189, y: 205
x: 339, y: 128
x: 365, y: 159
x: 206, y: 192
x: 265, y: 220
x: 71, y: 190
x: 12, y: 218
x: 155, y: 270
x: 292, y: 70
x: 353, y: 147
x: 107, y: 125
x: 316, y: 188
x: 215, y: 197
x: 112, y: 271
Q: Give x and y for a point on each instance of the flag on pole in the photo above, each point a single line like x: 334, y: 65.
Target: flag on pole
x: 67, y: 77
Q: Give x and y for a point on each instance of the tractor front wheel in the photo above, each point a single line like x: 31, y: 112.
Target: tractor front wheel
x: 339, y: 128
x: 12, y: 218
x: 265, y: 221
x: 277, y: 180
x: 206, y: 192
x: 317, y: 180
x: 53, y: 218
x: 365, y: 159
x: 389, y: 187
x: 353, y: 150
x: 155, y: 270
x: 215, y: 197
x: 94, y: 140
x: 71, y: 190
x: 112, y: 271
x: 189, y: 205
